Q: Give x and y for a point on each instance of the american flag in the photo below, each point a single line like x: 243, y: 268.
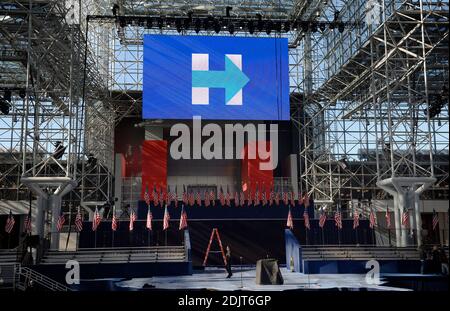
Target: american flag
x: 236, y: 198
x: 242, y: 199
x: 10, y: 223
x: 166, y: 219
x: 285, y: 198
x: 78, y: 221
x: 277, y: 198
x: 60, y: 222
x: 264, y: 199
x: 355, y: 219
x: 96, y: 220
x: 306, y: 219
x: 256, y: 200
x: 148, y: 223
x: 290, y: 221
x: 228, y: 198
x: 198, y: 198
x: 132, y: 220
x: 212, y: 197
x: 322, y: 219
x: 171, y: 196
x: 162, y: 196
x: 154, y: 197
x: 405, y: 218
x: 183, y: 219
x: 146, y: 196
x: 306, y: 199
x: 191, y: 199
x: 388, y: 218
x: 300, y: 198
x: 271, y: 197
x: 27, y: 222
x: 221, y: 197
x: 435, y: 219
x: 372, y: 219
x: 207, y: 200
x: 185, y: 197
x: 114, y: 221
x: 338, y: 219
x: 250, y: 197
x: 291, y: 198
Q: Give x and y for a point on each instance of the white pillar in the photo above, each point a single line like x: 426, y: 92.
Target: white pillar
x: 418, y: 219
x: 397, y: 221
x: 55, y: 205
x: 41, y: 208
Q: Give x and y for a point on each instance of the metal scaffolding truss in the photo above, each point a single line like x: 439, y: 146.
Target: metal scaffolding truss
x: 369, y: 93
x: 359, y: 97
x: 59, y: 106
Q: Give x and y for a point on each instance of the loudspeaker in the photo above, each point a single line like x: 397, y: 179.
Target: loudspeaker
x: 268, y: 272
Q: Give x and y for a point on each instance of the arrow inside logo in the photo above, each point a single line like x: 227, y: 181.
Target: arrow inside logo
x: 232, y: 79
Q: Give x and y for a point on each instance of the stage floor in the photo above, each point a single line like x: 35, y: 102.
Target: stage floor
x: 215, y: 279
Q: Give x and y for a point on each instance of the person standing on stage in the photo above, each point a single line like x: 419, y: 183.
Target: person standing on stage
x: 228, y: 266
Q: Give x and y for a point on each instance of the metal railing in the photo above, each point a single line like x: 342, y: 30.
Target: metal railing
x: 25, y: 277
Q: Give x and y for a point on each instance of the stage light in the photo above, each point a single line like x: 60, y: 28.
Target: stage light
x: 198, y: 25
x: 231, y: 28
x: 305, y: 27
x: 269, y: 27
x: 115, y: 9
x: 295, y: 26
x: 287, y: 26
x: 251, y: 27
x: 122, y: 22
x: 336, y: 15
x: 277, y: 26
x: 313, y: 27
x: 322, y: 27
x: 149, y: 23
x: 178, y: 25
x: 216, y: 26
x: 59, y: 150
x: 341, y: 27
x: 227, y: 11
x: 160, y: 23
x: 260, y: 23
x: 92, y: 161
x: 332, y: 25
x: 4, y: 106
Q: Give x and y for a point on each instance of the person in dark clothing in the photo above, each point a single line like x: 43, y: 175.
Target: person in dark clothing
x: 444, y: 261
x: 436, y: 259
x: 228, y: 266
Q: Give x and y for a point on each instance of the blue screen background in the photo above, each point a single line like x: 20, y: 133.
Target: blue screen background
x: 167, y: 88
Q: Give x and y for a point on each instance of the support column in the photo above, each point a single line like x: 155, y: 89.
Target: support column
x: 401, y: 205
x: 418, y: 218
x: 41, y: 206
x: 397, y: 221
x: 55, y: 206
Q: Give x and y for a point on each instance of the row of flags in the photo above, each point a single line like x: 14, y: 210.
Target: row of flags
x: 10, y: 222
x: 372, y: 219
x: 225, y: 198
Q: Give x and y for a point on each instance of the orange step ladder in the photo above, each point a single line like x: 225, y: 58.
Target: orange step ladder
x: 215, y: 232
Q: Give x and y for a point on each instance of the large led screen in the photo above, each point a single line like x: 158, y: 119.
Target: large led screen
x: 218, y: 78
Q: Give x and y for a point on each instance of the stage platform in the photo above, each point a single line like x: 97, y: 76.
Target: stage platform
x: 215, y: 279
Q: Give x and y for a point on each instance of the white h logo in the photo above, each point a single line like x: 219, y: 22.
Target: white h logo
x: 200, y: 95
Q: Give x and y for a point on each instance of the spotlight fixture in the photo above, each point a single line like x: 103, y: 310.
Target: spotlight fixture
x: 260, y: 23
x: 251, y: 27
x: 269, y: 27
x: 287, y: 26
x: 115, y: 9
x: 216, y: 26
x: 5, y: 106
x: 227, y: 11
x: 322, y: 27
x: 305, y: 27
x: 59, y: 150
x: 160, y: 23
x: 313, y: 27
x: 198, y: 25
x: 178, y: 25
x: 92, y: 161
x: 149, y: 23
x: 231, y: 28
x: 277, y: 26
x: 122, y: 22
x: 341, y: 27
